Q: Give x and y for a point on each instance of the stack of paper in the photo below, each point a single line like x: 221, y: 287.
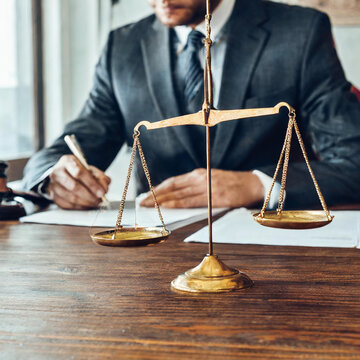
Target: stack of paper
x: 238, y: 227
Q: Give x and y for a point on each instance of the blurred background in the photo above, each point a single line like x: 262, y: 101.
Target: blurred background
x: 48, y: 50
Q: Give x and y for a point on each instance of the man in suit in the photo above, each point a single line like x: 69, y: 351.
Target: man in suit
x: 263, y: 53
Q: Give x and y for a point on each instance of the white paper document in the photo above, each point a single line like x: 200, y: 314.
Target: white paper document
x: 173, y: 218
x: 238, y: 227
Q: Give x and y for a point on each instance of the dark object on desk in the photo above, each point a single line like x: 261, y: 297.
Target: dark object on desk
x: 10, y: 208
x: 3, y: 166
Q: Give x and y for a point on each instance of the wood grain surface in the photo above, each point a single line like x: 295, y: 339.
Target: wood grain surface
x: 341, y: 12
x: 63, y: 297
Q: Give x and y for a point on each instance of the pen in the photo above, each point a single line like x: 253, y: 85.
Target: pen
x: 76, y: 150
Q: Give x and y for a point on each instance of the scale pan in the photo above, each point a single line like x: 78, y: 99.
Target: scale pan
x: 131, y: 236
x: 301, y: 219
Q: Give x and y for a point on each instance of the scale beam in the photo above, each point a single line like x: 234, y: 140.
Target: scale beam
x: 219, y: 116
x: 215, y: 117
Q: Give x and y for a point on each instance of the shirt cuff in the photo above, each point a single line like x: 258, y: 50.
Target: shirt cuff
x: 40, y: 188
x: 266, y: 181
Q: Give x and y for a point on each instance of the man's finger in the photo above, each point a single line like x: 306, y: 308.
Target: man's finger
x: 101, y: 177
x: 64, y: 204
x: 172, y: 184
x: 173, y: 195
x: 190, y: 202
x: 75, y: 192
x: 61, y: 198
x: 175, y: 182
x: 78, y: 172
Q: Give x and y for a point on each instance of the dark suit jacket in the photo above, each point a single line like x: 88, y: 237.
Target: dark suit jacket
x: 275, y: 53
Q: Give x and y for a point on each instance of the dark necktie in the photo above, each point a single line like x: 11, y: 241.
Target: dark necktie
x: 194, y: 76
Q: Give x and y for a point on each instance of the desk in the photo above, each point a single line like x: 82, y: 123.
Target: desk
x: 63, y: 297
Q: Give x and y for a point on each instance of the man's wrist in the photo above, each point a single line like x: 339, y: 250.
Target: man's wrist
x: 266, y: 181
x: 41, y: 188
x: 256, y: 189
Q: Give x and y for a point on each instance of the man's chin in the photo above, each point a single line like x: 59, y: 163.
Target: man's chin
x: 172, y: 21
x: 175, y: 19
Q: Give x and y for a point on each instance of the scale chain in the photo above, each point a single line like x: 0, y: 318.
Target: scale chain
x: 267, y: 199
x: 286, y: 162
x: 147, y: 174
x: 318, y: 191
x: 137, y: 145
x: 286, y: 151
x: 132, y: 160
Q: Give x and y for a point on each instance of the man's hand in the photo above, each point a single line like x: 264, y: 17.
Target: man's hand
x: 229, y: 189
x: 71, y: 186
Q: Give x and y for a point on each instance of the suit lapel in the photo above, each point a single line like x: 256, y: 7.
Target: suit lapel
x: 156, y: 51
x: 155, y: 47
x: 246, y: 41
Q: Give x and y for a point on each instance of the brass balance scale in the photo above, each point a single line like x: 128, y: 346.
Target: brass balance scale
x: 212, y: 275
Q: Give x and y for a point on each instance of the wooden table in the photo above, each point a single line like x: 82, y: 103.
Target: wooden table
x: 63, y: 297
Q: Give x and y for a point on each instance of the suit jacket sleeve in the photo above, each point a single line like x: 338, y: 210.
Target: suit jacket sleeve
x: 98, y: 128
x: 330, y: 118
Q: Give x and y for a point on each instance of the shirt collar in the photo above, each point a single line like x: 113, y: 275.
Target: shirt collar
x: 219, y: 18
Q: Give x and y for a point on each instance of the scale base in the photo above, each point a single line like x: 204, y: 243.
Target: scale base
x: 211, y: 276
